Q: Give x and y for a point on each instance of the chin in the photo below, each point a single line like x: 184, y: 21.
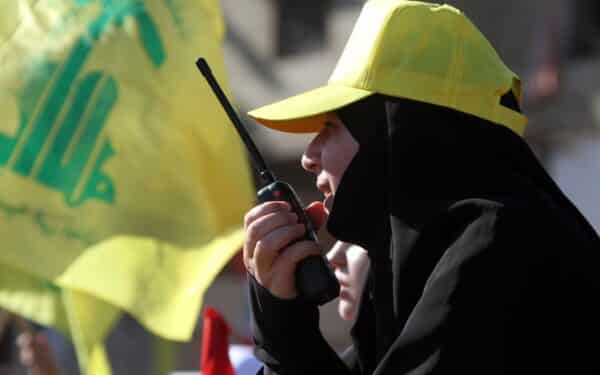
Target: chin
x: 346, y: 310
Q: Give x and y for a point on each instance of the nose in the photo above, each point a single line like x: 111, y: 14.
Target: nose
x: 337, y: 255
x: 311, y: 159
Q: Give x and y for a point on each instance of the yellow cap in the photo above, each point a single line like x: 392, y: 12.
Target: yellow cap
x: 408, y: 49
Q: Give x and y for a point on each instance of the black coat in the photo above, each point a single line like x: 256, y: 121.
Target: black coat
x: 479, y: 264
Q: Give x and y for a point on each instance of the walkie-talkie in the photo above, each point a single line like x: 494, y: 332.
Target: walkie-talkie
x: 315, y: 281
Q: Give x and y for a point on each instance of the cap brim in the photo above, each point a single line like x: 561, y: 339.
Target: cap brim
x: 305, y: 113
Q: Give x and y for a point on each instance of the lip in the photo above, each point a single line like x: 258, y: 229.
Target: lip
x: 327, y: 201
x: 324, y: 188
x: 341, y: 278
x: 323, y: 185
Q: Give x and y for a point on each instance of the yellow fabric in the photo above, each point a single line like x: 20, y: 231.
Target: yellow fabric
x: 90, y: 321
x: 158, y: 283
x: 123, y: 184
x: 421, y: 51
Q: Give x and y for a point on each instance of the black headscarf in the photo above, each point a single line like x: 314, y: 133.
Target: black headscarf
x: 479, y: 263
x: 417, y: 159
x: 414, y: 163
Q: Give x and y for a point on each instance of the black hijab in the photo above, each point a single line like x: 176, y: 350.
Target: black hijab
x: 417, y: 159
x: 415, y: 162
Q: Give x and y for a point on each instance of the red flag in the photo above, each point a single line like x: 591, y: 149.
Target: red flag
x: 215, y: 344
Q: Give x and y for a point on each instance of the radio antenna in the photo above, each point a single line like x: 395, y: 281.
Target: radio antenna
x: 259, y: 162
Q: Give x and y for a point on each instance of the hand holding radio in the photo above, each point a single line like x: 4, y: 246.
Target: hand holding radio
x: 271, y: 227
x: 276, y: 242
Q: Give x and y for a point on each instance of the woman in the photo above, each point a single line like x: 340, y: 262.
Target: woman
x: 351, y: 265
x: 478, y: 263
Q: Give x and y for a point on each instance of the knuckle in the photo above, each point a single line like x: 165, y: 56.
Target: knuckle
x: 270, y: 206
x: 281, y: 218
x: 288, y: 237
x: 250, y: 216
x: 263, y: 277
x: 279, y: 205
x: 253, y: 214
x: 262, y: 246
x: 246, y: 219
x: 252, y: 231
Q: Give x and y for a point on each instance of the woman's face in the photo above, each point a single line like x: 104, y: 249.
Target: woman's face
x: 351, y: 265
x: 328, y: 155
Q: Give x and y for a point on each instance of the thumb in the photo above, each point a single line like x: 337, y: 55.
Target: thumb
x: 316, y: 214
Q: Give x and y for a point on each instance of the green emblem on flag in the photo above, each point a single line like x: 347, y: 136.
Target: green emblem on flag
x: 59, y: 142
x: 113, y: 164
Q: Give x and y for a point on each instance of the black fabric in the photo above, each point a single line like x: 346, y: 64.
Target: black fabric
x: 7, y: 345
x: 285, y: 329
x: 479, y: 263
x: 371, y: 229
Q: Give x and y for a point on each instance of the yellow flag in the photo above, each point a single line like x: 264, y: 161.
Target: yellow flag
x: 123, y: 184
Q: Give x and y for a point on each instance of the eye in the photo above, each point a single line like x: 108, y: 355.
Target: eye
x: 330, y: 125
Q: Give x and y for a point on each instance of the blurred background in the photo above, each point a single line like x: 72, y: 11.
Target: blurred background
x: 277, y: 48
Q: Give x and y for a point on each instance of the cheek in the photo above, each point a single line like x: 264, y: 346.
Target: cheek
x: 335, y: 162
x: 357, y: 260
x: 336, y: 171
x: 358, y: 268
